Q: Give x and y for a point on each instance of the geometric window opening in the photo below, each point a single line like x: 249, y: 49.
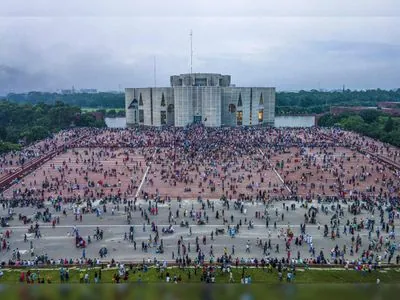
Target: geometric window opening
x: 163, y: 117
x: 232, y: 108
x: 261, y: 99
x: 133, y: 105
x: 260, y: 116
x: 141, y: 116
x: 240, y: 100
x: 162, y: 100
x: 239, y: 118
x: 140, y: 100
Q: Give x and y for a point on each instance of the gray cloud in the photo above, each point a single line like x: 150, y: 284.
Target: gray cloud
x: 15, y: 80
x: 204, y: 8
x: 49, y: 45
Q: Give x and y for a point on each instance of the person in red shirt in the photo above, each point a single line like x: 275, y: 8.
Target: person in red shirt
x: 22, y: 277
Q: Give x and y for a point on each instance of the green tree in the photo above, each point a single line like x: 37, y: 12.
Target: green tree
x: 370, y: 115
x: 354, y: 123
x: 111, y: 113
x: 389, y: 124
x: 3, y: 133
x: 6, y: 146
x: 31, y: 122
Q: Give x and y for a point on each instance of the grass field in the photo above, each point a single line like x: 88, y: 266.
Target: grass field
x: 309, y: 284
x: 322, y: 276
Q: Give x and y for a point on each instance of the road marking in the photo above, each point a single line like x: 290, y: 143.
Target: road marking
x: 277, y: 174
x: 162, y: 225
x: 145, y: 175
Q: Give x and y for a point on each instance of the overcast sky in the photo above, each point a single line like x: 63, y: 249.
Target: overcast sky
x: 52, y: 44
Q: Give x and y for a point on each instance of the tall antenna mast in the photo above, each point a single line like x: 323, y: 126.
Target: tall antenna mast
x: 191, y: 51
x: 155, y: 72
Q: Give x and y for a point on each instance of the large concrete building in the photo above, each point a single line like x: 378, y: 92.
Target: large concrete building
x: 204, y: 98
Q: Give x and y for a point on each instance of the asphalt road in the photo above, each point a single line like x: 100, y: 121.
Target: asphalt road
x: 58, y: 242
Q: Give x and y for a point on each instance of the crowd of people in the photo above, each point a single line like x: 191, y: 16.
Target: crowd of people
x: 235, y: 165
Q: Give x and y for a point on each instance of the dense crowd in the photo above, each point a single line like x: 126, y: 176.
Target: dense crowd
x: 235, y: 165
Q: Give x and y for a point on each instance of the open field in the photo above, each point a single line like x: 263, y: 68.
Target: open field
x: 190, y: 275
x: 203, y: 292
x: 307, y: 284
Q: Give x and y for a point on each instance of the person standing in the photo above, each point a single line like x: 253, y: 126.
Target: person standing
x: 96, y: 278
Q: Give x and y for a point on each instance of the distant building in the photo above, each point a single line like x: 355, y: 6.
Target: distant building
x: 67, y: 92
x: 98, y: 115
x: 337, y: 110
x: 390, y: 108
x: 114, y: 92
x: 88, y: 91
x: 387, y: 104
x: 205, y: 98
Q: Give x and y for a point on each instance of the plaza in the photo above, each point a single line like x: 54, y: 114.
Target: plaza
x: 242, y: 194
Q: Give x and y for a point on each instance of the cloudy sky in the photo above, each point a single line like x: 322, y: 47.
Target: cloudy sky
x: 294, y: 44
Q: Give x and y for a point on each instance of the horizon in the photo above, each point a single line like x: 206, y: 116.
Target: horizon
x: 58, y: 91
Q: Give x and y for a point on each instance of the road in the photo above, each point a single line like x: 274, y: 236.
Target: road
x: 59, y: 243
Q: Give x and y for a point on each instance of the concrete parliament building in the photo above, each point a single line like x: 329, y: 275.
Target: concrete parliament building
x: 205, y: 98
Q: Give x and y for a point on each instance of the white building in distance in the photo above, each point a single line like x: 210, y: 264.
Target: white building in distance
x: 205, y: 98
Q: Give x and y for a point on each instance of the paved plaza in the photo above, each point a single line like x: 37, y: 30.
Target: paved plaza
x: 59, y: 242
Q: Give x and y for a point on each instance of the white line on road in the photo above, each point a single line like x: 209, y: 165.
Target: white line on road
x: 277, y: 174
x: 162, y: 225
x: 145, y: 174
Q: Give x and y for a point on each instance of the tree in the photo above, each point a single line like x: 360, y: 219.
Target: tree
x: 370, y: 115
x: 121, y: 113
x: 320, y: 101
x: 106, y: 100
x: 328, y: 120
x: 29, y: 122
x: 385, y: 128
x: 3, y: 133
x: 111, y: 113
x: 389, y: 125
x: 393, y: 137
x: 5, y: 147
x: 353, y: 123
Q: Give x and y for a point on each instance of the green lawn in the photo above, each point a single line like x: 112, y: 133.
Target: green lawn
x: 308, y: 285
x: 258, y: 275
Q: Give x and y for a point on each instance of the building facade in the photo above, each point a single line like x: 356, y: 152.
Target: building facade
x: 205, y: 98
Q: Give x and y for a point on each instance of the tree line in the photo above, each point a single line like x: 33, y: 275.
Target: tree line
x: 372, y: 122
x: 97, y: 100
x: 25, y: 123
x: 315, y: 102
x: 302, y: 102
